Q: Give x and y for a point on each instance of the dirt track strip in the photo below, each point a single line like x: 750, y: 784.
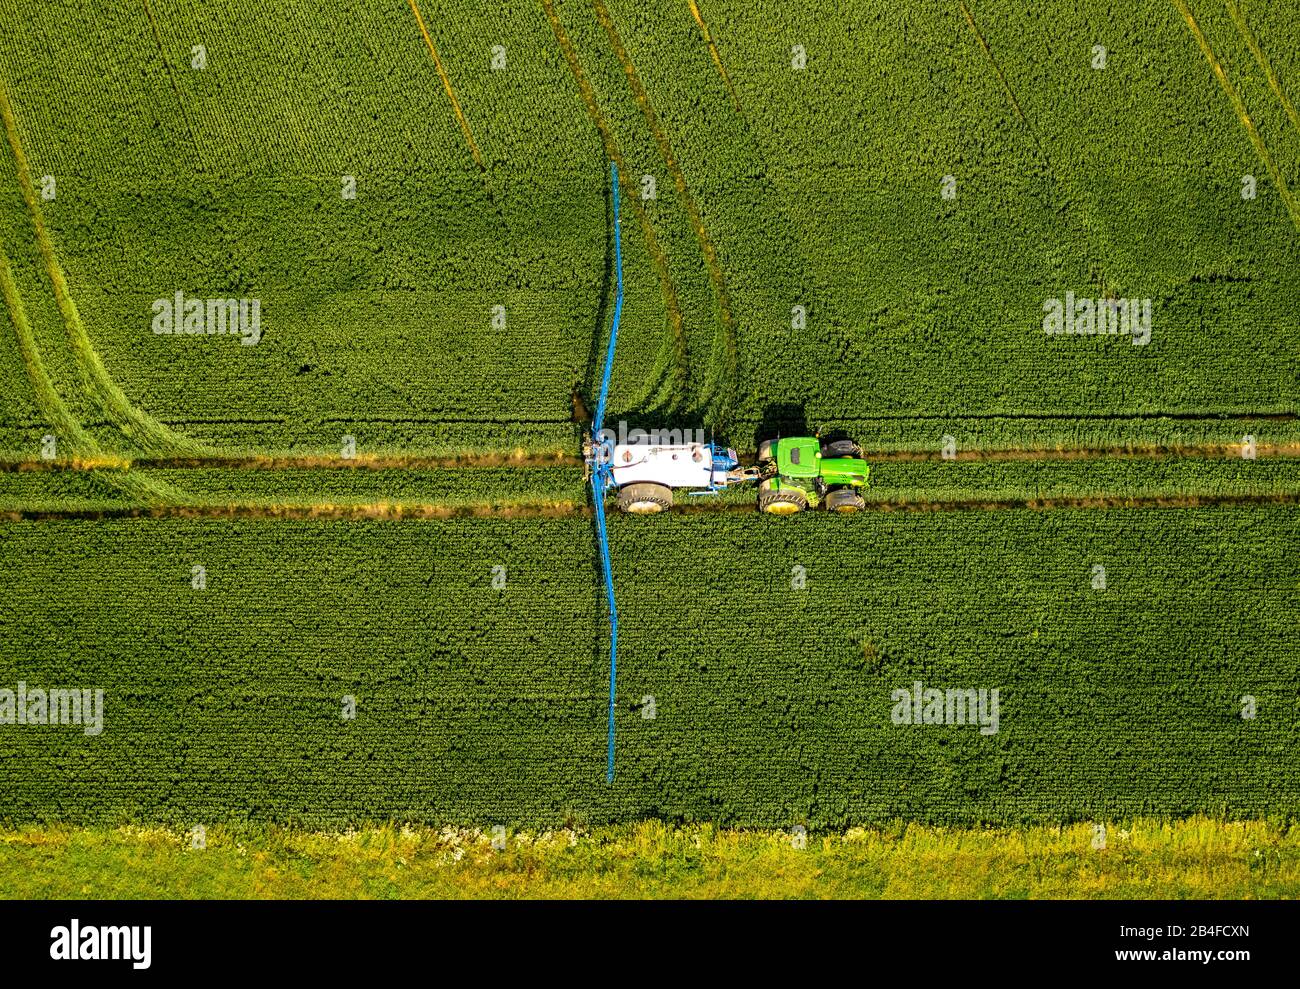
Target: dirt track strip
x: 672, y: 307
x: 446, y: 86
x: 1006, y: 86
x: 710, y: 253
x: 1253, y: 44
x: 526, y: 461
x: 176, y: 91
x: 133, y: 422
x: 467, y: 461
x: 1240, y: 107
x: 1204, y: 452
x: 397, y: 512
x: 714, y: 54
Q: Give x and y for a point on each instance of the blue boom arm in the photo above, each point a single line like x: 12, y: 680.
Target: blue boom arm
x: 600, y: 479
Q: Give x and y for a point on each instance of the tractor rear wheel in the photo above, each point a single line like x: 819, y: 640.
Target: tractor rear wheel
x: 841, y: 448
x: 845, y: 501
x: 784, y: 502
x: 645, y: 498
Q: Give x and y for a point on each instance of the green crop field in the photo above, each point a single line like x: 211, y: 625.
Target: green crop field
x: 821, y: 187
x: 771, y: 702
x: 324, y: 537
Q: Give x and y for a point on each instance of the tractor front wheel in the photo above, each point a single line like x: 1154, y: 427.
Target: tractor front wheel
x: 784, y: 502
x: 845, y: 501
x: 645, y: 498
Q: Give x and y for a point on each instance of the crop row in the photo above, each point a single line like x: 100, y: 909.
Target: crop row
x: 758, y: 668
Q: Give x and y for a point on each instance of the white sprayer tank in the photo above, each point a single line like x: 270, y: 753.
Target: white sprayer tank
x: 681, y: 465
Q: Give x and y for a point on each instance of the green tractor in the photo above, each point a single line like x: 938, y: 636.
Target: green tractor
x: 804, y: 472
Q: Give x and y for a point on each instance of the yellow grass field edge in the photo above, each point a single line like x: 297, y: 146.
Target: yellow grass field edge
x: 1193, y: 858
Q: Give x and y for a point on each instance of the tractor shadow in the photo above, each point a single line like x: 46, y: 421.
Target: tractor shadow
x: 791, y: 419
x: 583, y: 394
x: 781, y: 419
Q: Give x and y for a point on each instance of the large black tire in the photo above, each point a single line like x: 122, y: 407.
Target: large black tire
x: 844, y: 500
x: 785, y: 502
x: 645, y: 498
x: 841, y: 448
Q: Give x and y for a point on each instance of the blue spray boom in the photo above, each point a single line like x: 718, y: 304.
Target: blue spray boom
x: 600, y: 477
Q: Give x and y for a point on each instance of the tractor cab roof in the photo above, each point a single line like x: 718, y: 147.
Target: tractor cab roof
x: 798, y: 456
